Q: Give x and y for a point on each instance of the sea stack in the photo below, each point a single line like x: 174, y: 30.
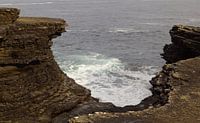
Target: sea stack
x: 33, y: 89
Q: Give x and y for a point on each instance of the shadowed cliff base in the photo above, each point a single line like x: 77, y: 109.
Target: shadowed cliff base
x: 35, y: 90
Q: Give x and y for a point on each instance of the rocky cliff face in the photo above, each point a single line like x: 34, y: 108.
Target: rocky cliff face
x: 185, y: 44
x: 176, y: 89
x: 32, y: 86
x: 33, y: 89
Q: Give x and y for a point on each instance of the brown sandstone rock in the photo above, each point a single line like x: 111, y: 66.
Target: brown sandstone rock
x: 32, y: 86
x: 8, y: 15
x: 34, y: 89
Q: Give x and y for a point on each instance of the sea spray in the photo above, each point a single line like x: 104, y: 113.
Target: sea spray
x: 108, y: 78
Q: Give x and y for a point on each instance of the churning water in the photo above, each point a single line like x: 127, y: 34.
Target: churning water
x: 112, y: 47
x: 108, y: 78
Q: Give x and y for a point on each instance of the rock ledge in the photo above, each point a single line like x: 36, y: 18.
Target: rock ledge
x: 33, y: 88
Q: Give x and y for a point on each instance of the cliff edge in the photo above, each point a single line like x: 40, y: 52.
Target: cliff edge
x: 33, y: 88
x: 176, y: 89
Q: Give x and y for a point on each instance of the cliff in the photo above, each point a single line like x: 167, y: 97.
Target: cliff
x: 176, y: 89
x: 33, y: 88
x: 185, y: 44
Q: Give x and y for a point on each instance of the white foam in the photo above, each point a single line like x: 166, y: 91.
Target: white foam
x: 194, y: 20
x: 126, y: 30
x: 83, y: 30
x: 108, y: 79
x: 36, y: 3
x: 154, y: 24
x: 41, y: 3
x: 6, y: 4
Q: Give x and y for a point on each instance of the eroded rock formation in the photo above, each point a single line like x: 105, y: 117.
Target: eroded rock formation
x: 32, y: 86
x: 33, y: 89
x: 185, y: 44
x: 176, y: 89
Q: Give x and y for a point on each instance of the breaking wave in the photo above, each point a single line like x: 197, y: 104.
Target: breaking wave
x: 126, y: 30
x: 108, y: 78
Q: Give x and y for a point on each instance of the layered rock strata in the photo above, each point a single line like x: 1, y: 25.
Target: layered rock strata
x: 185, y: 44
x: 32, y: 86
x: 176, y: 89
x: 34, y: 89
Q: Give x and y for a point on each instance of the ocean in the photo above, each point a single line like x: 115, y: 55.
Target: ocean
x: 113, y: 47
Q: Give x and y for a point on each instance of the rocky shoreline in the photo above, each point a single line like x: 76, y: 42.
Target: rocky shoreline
x: 35, y: 90
x: 176, y: 89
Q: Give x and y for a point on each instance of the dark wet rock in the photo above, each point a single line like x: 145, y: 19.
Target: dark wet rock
x: 185, y: 44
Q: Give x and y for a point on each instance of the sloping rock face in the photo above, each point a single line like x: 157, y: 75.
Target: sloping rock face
x: 32, y: 86
x: 176, y: 88
x: 185, y: 44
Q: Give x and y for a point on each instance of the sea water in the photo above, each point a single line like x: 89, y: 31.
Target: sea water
x: 112, y: 47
